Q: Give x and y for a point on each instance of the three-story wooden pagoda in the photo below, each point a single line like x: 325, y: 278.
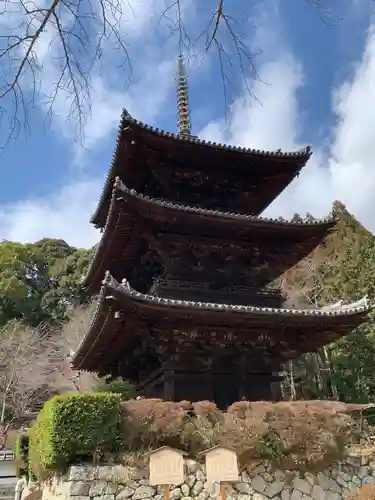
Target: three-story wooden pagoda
x: 185, y: 309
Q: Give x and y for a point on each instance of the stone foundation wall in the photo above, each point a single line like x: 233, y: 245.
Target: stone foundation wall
x: 258, y: 482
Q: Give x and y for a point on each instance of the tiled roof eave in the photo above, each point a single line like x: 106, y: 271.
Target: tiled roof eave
x: 111, y: 289
x: 121, y: 193
x: 132, y: 194
x: 124, y: 288
x: 86, y: 342
x: 100, y: 248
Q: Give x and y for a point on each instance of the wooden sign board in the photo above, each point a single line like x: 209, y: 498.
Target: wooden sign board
x: 166, y: 466
x: 221, y: 465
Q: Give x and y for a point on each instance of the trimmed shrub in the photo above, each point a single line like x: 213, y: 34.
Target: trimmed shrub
x: 22, y: 453
x: 22, y: 447
x: 74, y: 427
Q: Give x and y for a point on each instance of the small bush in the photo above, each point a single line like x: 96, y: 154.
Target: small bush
x: 117, y: 386
x: 150, y: 423
x: 74, y: 427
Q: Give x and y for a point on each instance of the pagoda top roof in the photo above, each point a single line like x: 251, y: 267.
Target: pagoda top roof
x: 132, y: 131
x: 127, y: 119
x: 329, y: 323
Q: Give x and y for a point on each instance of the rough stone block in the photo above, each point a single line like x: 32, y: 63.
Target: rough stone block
x: 296, y: 495
x: 203, y: 495
x: 79, y: 488
x: 333, y: 486
x: 191, y: 478
x: 259, y: 484
x: 274, y: 489
x: 259, y: 496
x: 317, y: 493
x: 192, y: 466
x: 200, y: 475
x: 331, y: 495
x: 185, y: 490
x: 323, y: 480
x: 143, y: 492
x: 368, y: 480
x: 100, y: 487
x: 125, y: 492
x: 116, y: 473
x: 107, y: 497
x: 302, y: 485
x: 285, y: 494
x: 197, y: 488
x: 175, y: 494
x: 82, y: 473
x: 244, y: 488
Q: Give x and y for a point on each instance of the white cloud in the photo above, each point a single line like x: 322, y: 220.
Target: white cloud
x: 352, y: 159
x: 107, y: 104
x: 347, y: 171
x: 270, y: 121
x: 65, y: 214
x: 273, y: 120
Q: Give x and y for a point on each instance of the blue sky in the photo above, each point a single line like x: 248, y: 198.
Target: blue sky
x: 316, y: 86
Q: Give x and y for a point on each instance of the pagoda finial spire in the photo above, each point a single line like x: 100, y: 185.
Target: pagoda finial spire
x: 184, y: 124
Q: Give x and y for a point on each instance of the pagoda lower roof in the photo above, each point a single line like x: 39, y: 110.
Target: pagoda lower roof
x: 188, y: 152
x: 123, y: 314
x: 120, y: 240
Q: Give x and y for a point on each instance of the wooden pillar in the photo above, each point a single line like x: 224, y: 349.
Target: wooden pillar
x: 242, y: 392
x: 169, y: 381
x: 276, y: 390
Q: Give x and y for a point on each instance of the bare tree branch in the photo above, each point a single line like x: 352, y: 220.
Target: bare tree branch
x: 35, y: 364
x: 65, y: 42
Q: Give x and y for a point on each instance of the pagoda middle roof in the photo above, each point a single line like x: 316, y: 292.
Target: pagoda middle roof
x: 118, y: 240
x: 285, y: 165
x: 318, y: 326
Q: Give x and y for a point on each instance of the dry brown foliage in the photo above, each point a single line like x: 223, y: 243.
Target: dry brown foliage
x: 71, y: 335
x: 35, y: 364
x: 295, y: 434
x: 366, y: 492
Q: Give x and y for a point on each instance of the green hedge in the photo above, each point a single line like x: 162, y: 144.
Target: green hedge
x: 74, y: 427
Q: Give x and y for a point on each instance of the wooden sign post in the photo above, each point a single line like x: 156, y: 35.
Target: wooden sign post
x: 221, y: 467
x: 166, y: 467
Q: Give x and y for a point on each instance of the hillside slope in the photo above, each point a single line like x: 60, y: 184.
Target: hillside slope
x: 341, y: 268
